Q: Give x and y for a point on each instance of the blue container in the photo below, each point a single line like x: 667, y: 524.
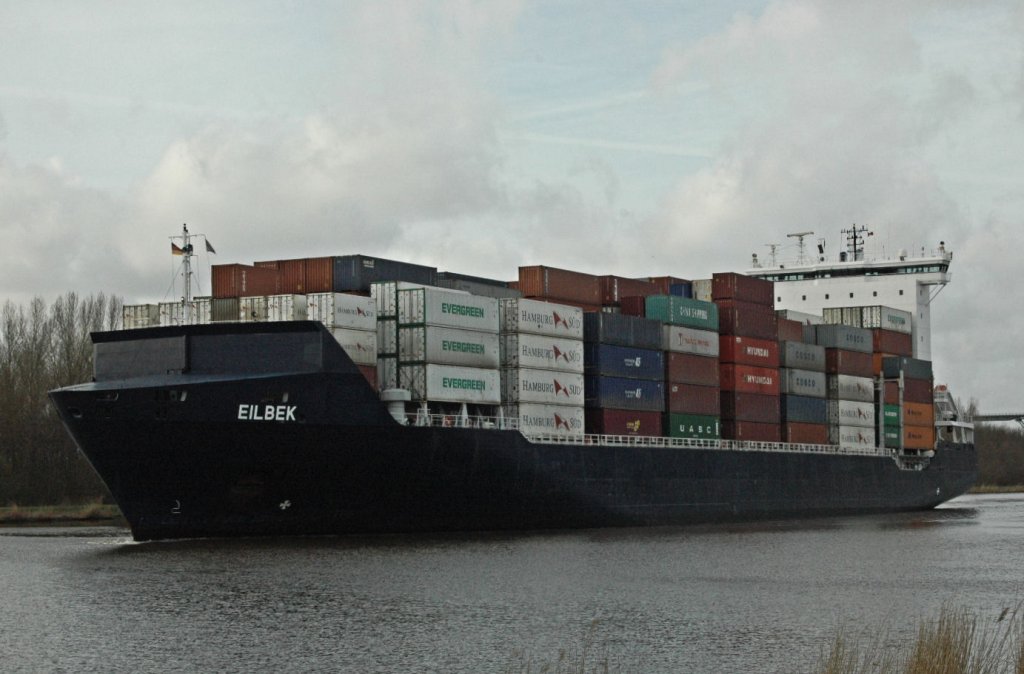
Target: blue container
x: 624, y: 394
x: 604, y: 328
x: 804, y: 410
x: 357, y: 272
x: 681, y: 290
x: 609, y: 360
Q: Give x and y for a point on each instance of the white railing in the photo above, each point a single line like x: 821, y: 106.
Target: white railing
x: 505, y: 423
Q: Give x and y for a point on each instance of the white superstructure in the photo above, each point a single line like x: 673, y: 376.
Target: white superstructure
x: 815, y: 283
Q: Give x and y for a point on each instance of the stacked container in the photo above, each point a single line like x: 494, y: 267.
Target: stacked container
x: 749, y: 355
x: 907, y: 405
x: 566, y: 287
x: 140, y: 316
x: 891, y: 329
x: 541, y: 356
x: 352, y: 320
x: 625, y: 374
x: 173, y: 313
x: 804, y: 412
x: 848, y: 364
x: 448, y: 346
x: 689, y: 337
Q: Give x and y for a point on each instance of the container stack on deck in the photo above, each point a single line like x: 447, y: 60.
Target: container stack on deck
x: 909, y: 411
x: 352, y: 320
x: 804, y: 410
x: 848, y: 362
x: 625, y: 374
x: 542, y: 366
x: 749, y: 354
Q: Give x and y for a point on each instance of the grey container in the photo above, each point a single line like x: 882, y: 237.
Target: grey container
x: 841, y: 337
x: 802, y: 356
x: 623, y: 330
x: 802, y: 382
x: 913, y: 368
x: 475, y: 285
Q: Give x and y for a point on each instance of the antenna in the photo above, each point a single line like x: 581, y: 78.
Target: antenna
x: 855, y: 241
x: 799, y: 236
x: 772, y: 248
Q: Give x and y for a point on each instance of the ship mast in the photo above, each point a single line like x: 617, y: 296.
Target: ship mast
x: 186, y: 265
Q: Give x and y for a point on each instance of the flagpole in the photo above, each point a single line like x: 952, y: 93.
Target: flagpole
x: 186, y: 313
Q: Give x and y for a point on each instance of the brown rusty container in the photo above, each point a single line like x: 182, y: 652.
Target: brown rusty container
x: 614, y: 288
x: 560, y: 284
x: 691, y: 399
x: 750, y: 407
x: 918, y: 414
x: 293, y: 276
x: 914, y: 391
x: 665, y: 283
x: 749, y: 379
x: 369, y: 373
x: 632, y: 306
x: 748, y: 351
x: 919, y: 437
x: 733, y: 286
x: 604, y: 421
x: 892, y: 342
x: 790, y: 330
x: 689, y: 368
x: 319, y: 274
x: 268, y: 264
x: 241, y: 280
x: 751, y: 431
x: 805, y: 434
x: 844, y: 361
x: 747, y: 319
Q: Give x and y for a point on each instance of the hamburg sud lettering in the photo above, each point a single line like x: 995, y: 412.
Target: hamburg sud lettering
x: 552, y: 353
x: 552, y: 421
x: 550, y: 319
x: 555, y: 387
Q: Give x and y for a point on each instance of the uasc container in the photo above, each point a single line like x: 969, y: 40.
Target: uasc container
x: 693, y: 426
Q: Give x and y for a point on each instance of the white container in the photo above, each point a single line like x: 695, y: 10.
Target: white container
x: 447, y: 308
x: 848, y: 387
x: 286, y: 307
x: 802, y: 382
x: 450, y: 346
x: 541, y: 318
x: 887, y: 318
x: 701, y: 289
x: 542, y: 352
x: 526, y: 385
x: 253, y: 308
x: 385, y: 295
x: 387, y: 373
x: 800, y: 316
x: 173, y: 313
x: 340, y: 310
x: 851, y: 413
x: 387, y: 336
x: 451, y: 383
x: 360, y: 345
x: 679, y: 339
x: 140, y: 316
x: 858, y: 437
x: 534, y: 419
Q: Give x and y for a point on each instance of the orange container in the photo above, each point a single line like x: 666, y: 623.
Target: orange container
x: 919, y: 437
x: 918, y: 414
x: 560, y: 284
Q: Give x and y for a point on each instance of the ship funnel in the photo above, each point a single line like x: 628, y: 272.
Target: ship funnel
x: 395, y: 399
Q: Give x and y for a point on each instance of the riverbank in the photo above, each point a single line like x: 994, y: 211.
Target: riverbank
x: 996, y: 489
x: 53, y: 514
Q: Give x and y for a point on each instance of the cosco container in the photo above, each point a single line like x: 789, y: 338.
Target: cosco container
x: 691, y: 399
x: 805, y: 433
x: 843, y: 361
x: 892, y: 342
x: 851, y: 413
x: 693, y: 426
x: 625, y: 394
x: 802, y: 383
x: 610, y: 360
x: 240, y: 280
x: 358, y: 272
x: 526, y: 385
x: 748, y: 351
x: 451, y: 383
x: 733, y: 286
x: 440, y: 307
x: 887, y: 318
x: 541, y: 352
x: 855, y: 437
x: 689, y: 340
x: 623, y: 422
x: 451, y: 346
x: 751, y: 431
x: 848, y: 387
x: 360, y: 345
x: 688, y: 368
x: 613, y: 288
x: 622, y: 330
x: 843, y: 337
x: 749, y: 379
x: 537, y: 419
x: 912, y: 368
x: 340, y: 310
x: 802, y: 356
x: 673, y: 310
x: 918, y: 414
x: 750, y: 407
x: 560, y: 284
x: 747, y: 319
x: 541, y: 318
x: 802, y: 409
x: 143, y: 316
x: 286, y: 308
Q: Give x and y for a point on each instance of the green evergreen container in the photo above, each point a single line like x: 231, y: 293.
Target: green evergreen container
x: 675, y: 310
x: 891, y: 415
x: 696, y: 426
x: 893, y: 436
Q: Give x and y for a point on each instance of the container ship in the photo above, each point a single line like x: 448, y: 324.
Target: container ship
x: 354, y: 394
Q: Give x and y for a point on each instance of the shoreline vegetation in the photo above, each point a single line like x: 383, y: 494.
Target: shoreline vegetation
x: 96, y: 511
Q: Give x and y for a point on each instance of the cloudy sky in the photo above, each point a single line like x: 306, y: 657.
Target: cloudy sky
x: 639, y: 138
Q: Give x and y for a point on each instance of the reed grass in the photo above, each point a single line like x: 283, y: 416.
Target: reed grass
x: 84, y: 512
x: 996, y: 489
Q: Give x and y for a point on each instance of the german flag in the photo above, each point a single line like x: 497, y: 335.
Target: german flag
x: 176, y: 250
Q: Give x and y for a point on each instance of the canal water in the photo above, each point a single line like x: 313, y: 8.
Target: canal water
x: 766, y: 597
